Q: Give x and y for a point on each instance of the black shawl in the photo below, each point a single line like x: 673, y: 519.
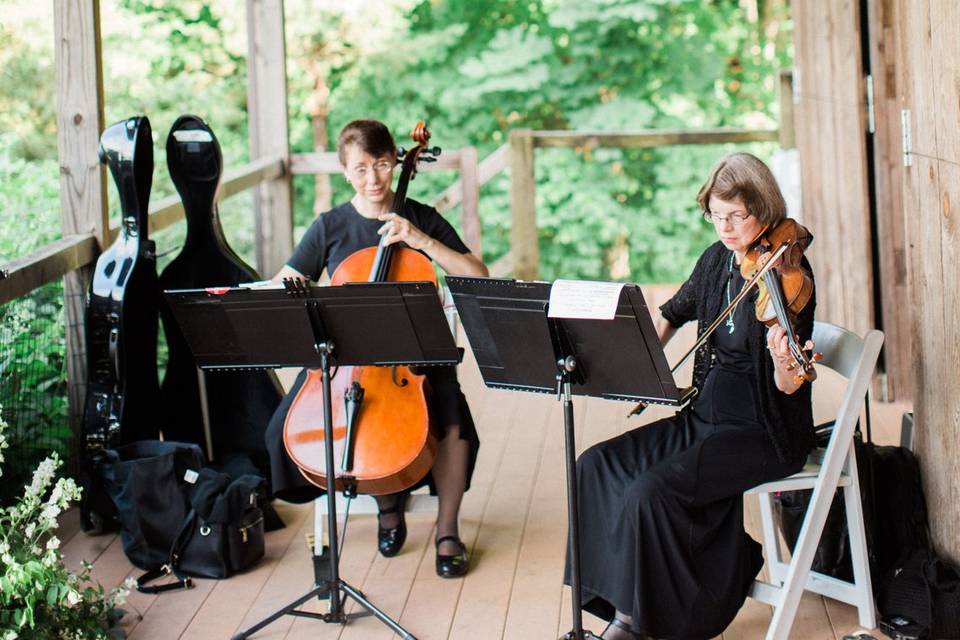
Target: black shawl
x: 787, y: 418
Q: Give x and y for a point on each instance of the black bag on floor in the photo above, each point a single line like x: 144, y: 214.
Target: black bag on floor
x: 921, y: 598
x: 894, y: 512
x: 147, y: 482
x: 222, y: 533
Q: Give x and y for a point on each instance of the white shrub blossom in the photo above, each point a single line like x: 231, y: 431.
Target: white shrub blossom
x: 47, y: 599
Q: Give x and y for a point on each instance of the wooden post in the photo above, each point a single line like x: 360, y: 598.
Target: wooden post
x: 269, y: 135
x: 788, y: 134
x: 524, y: 245
x: 470, y: 202
x: 83, y: 195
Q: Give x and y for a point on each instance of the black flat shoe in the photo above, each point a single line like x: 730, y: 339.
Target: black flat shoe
x: 623, y: 627
x: 390, y: 539
x: 452, y: 566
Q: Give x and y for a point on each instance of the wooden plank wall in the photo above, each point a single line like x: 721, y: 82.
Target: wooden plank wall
x: 929, y: 75
x: 893, y: 289
x: 831, y: 126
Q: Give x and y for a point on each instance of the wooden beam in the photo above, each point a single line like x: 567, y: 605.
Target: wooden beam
x: 650, y: 138
x: 269, y: 130
x: 486, y: 170
x: 524, y: 239
x: 83, y: 196
x: 470, y: 211
x: 788, y: 135
x: 47, y: 264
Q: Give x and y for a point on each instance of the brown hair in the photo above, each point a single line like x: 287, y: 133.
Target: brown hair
x: 745, y: 176
x: 372, y: 136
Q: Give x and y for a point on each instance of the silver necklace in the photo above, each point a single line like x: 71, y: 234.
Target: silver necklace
x: 731, y: 326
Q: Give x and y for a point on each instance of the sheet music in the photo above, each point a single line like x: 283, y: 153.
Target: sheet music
x: 584, y: 299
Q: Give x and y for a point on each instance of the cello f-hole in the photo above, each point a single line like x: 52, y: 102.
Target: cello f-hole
x: 401, y: 382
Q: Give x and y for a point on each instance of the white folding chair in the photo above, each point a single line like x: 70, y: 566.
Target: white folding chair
x: 854, y: 358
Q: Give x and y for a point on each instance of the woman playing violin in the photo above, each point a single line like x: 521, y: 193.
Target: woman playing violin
x: 368, y: 154
x: 664, y: 549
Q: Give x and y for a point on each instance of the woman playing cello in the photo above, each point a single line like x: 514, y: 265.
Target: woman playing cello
x: 368, y: 154
x: 664, y: 551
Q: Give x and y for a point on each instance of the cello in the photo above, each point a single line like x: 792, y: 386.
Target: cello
x: 121, y: 322
x: 381, y: 426
x: 239, y: 403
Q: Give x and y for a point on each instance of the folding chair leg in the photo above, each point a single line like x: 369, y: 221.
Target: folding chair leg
x: 858, y: 547
x: 771, y: 540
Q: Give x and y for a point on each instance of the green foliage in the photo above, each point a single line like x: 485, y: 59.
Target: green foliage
x: 39, y: 597
x: 33, y: 381
x: 476, y: 70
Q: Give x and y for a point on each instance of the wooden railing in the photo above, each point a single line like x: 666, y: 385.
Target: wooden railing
x: 55, y: 260
x: 524, y: 246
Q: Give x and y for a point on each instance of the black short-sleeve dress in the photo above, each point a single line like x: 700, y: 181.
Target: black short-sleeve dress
x: 331, y: 238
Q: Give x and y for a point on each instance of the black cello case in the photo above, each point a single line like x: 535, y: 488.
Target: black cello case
x: 121, y: 322
x: 240, y: 403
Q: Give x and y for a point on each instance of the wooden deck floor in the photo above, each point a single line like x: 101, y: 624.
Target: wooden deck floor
x: 513, y: 520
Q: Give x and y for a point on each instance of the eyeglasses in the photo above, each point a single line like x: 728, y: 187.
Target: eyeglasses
x: 736, y: 219
x: 381, y: 167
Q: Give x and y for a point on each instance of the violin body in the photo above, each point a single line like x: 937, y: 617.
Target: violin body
x: 240, y: 403
x: 381, y: 420
x: 782, y: 292
x: 393, y: 446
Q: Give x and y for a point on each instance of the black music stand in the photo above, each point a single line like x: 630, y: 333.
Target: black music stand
x: 318, y: 327
x: 518, y: 347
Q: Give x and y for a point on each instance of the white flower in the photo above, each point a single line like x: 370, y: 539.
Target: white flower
x: 43, y: 476
x: 10, y: 635
x: 73, y: 597
x: 30, y: 530
x: 53, y: 543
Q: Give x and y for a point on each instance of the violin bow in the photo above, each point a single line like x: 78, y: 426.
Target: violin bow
x: 716, y: 323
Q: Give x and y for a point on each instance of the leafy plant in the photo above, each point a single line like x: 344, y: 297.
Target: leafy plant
x: 39, y: 597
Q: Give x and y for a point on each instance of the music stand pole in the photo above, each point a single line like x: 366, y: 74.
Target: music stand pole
x: 566, y: 371
x: 334, y: 585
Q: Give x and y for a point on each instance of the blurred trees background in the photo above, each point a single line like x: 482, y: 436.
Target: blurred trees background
x: 473, y: 69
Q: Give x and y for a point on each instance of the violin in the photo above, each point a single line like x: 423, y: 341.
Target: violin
x: 773, y: 264
x: 784, y: 290
x: 381, y: 427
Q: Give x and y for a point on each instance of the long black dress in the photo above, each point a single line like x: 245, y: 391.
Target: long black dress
x: 661, y: 507
x: 332, y: 237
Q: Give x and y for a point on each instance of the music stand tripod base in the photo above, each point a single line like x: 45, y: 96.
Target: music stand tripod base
x: 297, y: 326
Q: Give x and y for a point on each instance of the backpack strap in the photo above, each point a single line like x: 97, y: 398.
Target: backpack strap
x: 172, y: 566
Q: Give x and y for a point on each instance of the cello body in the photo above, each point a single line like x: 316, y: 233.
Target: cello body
x: 393, y: 445
x: 121, y: 322
x: 240, y: 403
x: 381, y: 420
